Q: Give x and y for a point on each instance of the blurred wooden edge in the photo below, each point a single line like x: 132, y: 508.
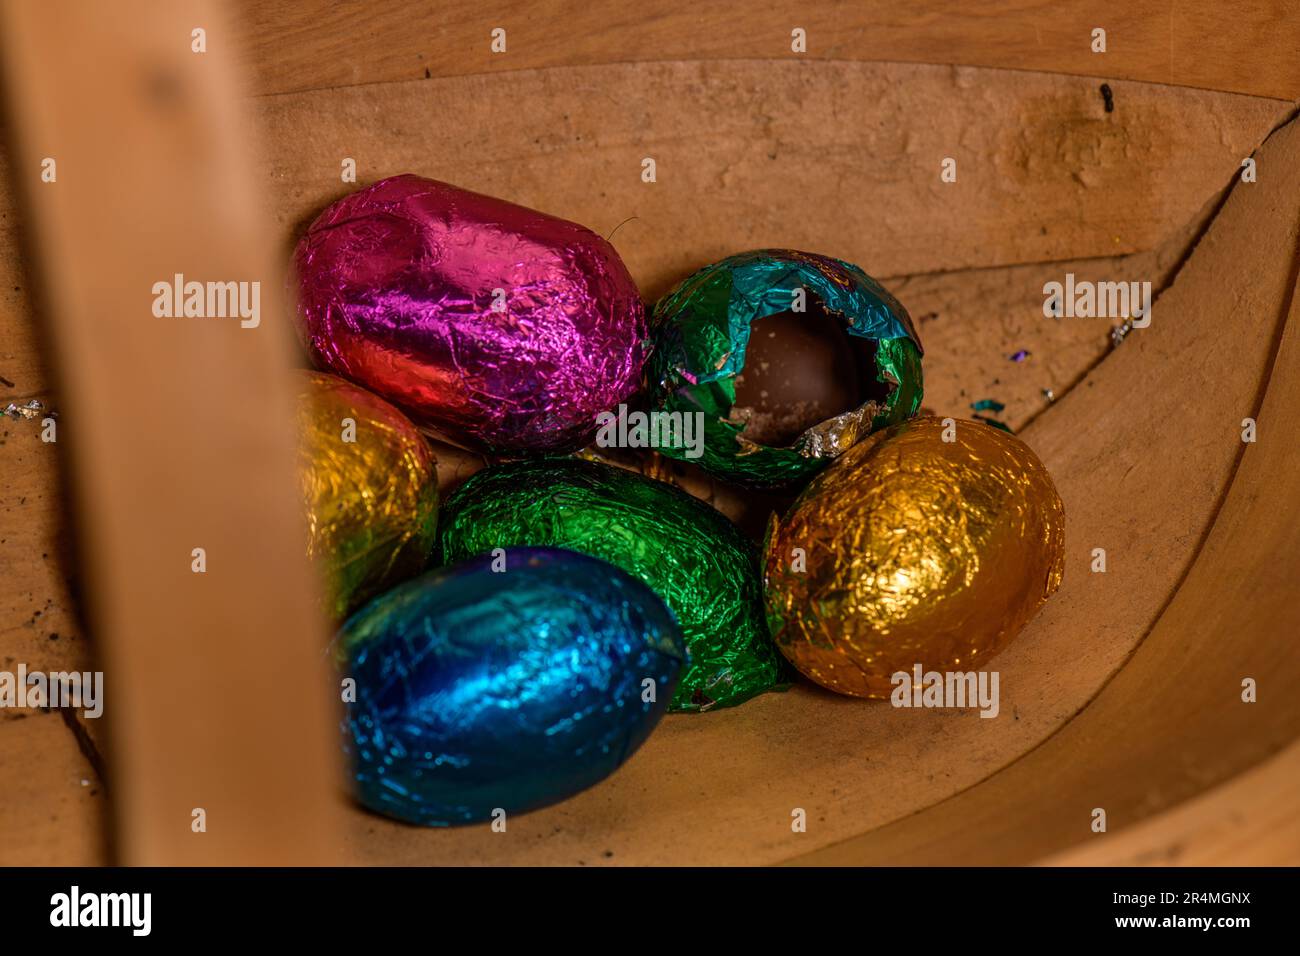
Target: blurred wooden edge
x: 1172, y: 717
x: 1249, y: 821
x: 317, y: 44
x: 178, y: 431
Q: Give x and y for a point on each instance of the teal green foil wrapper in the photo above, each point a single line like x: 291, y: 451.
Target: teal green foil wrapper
x: 687, y: 553
x: 701, y: 330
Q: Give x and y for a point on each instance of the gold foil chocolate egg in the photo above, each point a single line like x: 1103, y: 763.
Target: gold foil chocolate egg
x: 925, y: 544
x: 369, y: 486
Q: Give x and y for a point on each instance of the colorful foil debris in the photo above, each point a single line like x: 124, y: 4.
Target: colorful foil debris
x: 913, y: 550
x: 482, y: 689
x: 701, y: 331
x: 993, y: 422
x: 33, y: 408
x: 504, y: 329
x: 690, y: 555
x: 369, y: 488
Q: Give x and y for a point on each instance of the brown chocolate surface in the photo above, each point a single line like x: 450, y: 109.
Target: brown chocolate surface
x: 800, y: 369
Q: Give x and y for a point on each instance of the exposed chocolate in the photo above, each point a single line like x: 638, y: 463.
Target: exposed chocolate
x: 801, y: 369
x: 702, y: 338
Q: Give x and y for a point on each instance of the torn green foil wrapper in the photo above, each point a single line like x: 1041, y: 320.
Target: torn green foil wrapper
x: 687, y: 553
x: 701, y: 330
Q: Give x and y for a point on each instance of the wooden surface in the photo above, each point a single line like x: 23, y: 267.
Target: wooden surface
x: 1248, y: 821
x: 822, y: 156
x: 1143, y: 454
x: 1048, y: 183
x: 179, y: 429
x: 55, y: 804
x: 1251, y: 47
x: 1171, y: 722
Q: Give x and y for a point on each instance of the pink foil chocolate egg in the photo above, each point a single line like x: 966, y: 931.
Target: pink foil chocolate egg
x: 504, y: 329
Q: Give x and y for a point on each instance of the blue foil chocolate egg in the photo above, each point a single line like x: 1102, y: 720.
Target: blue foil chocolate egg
x: 508, y: 682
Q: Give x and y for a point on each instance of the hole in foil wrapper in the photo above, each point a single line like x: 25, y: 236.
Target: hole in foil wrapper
x: 807, y: 384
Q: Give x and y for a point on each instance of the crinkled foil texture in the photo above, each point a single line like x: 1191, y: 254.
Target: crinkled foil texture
x: 504, y: 329
x: 371, y: 503
x: 915, y: 550
x: 689, y: 554
x: 701, y: 330
x: 479, y: 688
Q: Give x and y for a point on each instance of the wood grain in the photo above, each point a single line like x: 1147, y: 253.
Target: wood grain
x: 1172, y: 722
x: 1249, y: 47
x: 827, y: 157
x: 37, y: 623
x: 1248, y: 821
x: 55, y: 805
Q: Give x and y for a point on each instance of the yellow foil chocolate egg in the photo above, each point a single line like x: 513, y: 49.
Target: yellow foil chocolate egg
x: 912, y: 549
x: 370, y: 489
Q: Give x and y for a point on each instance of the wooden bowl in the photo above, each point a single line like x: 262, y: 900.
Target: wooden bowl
x: 1124, y: 695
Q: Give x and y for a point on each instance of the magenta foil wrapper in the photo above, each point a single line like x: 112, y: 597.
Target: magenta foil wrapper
x: 504, y: 329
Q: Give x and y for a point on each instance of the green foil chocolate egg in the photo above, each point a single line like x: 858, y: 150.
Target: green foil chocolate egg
x: 704, y: 330
x: 686, y: 552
